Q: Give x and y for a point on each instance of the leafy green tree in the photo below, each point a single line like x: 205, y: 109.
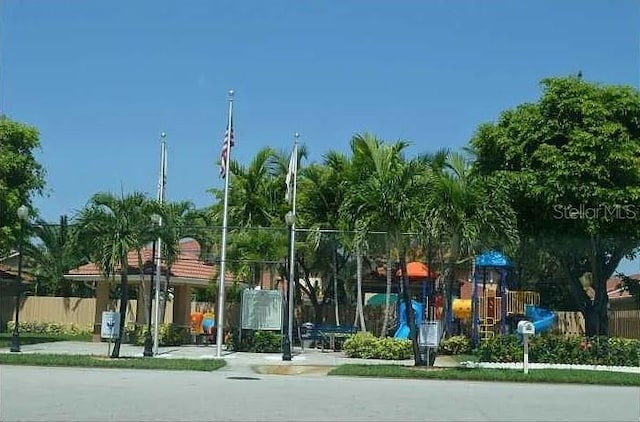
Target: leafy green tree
x: 571, y: 162
x: 21, y: 176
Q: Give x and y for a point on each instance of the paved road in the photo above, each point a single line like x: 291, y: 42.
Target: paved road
x: 78, y: 394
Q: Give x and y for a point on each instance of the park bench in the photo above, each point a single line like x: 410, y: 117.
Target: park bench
x: 324, y: 333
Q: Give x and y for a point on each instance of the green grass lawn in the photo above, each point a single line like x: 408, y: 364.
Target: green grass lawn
x: 558, y: 376
x: 36, y: 359
x: 29, y: 338
x: 465, y: 358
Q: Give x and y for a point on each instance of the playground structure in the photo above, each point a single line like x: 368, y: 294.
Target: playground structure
x: 429, y: 308
x: 203, y: 326
x: 495, y: 306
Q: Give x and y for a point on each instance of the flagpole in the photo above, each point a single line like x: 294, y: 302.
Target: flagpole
x: 158, y: 257
x: 223, y: 252
x: 292, y: 259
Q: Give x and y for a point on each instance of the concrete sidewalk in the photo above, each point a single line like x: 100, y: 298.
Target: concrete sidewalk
x: 235, y: 360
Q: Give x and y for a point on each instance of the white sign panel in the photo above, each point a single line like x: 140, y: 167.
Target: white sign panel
x: 261, y: 310
x: 110, y: 327
x: 429, y: 334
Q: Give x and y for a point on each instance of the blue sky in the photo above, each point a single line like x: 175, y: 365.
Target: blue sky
x: 102, y: 79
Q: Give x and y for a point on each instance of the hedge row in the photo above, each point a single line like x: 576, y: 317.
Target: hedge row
x: 562, y: 349
x: 254, y: 341
x: 168, y: 335
x: 368, y: 346
x: 50, y: 328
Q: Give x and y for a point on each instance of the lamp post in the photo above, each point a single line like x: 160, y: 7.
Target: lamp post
x: 23, y: 215
x: 158, y: 274
x: 148, y: 339
x: 290, y: 218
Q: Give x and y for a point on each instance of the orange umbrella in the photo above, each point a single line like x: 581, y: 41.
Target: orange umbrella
x: 417, y: 271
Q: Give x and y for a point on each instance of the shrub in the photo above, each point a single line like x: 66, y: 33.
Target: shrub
x: 368, y: 346
x: 456, y: 345
x: 168, y: 335
x: 561, y: 349
x: 266, y: 342
x: 50, y: 328
x: 254, y: 341
x: 503, y: 348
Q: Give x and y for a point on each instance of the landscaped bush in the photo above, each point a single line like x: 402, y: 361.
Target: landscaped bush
x: 254, y: 341
x: 50, y: 328
x: 456, y: 345
x: 168, y: 335
x: 368, y: 346
x: 552, y: 348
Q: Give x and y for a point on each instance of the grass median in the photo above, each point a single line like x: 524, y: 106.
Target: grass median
x: 85, y: 361
x: 555, y: 376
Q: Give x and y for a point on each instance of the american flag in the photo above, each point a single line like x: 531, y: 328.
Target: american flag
x: 227, y: 143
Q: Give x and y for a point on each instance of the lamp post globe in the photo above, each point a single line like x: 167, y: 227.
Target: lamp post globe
x: 23, y: 216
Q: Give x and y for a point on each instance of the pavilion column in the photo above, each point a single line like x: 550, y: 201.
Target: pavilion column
x: 182, y: 306
x: 102, y: 304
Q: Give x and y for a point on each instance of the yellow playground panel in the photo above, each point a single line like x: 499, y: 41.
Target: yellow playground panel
x: 489, y: 307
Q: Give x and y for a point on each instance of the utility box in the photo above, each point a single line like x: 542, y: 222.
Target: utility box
x: 110, y: 327
x: 526, y: 327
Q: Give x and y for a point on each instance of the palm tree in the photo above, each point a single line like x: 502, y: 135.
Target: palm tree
x: 110, y: 227
x: 180, y: 220
x: 471, y: 212
x: 381, y: 197
x: 321, y: 193
x: 53, y: 255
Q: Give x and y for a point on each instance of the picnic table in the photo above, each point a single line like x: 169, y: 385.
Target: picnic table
x: 325, y: 333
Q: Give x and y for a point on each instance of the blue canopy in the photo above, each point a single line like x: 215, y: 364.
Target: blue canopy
x: 493, y: 259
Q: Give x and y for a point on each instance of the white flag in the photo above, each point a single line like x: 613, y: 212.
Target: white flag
x: 291, y: 173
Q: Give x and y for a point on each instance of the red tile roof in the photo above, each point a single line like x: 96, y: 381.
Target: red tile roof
x: 188, y: 264
x: 9, y: 273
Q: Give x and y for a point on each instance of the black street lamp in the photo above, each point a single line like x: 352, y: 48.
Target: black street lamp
x: 148, y: 340
x: 23, y: 215
x: 287, y: 328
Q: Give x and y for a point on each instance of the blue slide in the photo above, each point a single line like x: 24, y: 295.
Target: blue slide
x: 403, y: 327
x: 541, y: 318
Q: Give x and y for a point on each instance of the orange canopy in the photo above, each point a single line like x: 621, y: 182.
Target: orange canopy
x: 418, y: 270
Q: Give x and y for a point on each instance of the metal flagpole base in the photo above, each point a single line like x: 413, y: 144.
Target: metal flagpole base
x: 286, y: 349
x: 15, y: 342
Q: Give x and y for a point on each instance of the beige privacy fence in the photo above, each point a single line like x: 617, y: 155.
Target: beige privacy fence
x: 81, y: 311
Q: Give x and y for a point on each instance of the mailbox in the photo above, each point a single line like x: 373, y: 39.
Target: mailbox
x: 526, y: 327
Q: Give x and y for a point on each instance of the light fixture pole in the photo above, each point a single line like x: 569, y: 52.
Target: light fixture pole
x: 148, y: 339
x: 286, y: 345
x: 23, y: 215
x: 158, y: 273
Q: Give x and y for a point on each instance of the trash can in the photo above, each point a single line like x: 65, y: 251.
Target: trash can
x: 306, y: 335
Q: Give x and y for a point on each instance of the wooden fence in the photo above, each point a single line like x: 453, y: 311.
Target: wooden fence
x: 622, y: 323
x: 81, y: 311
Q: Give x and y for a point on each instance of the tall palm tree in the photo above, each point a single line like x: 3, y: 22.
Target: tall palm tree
x: 471, y: 212
x: 321, y: 193
x: 381, y: 197
x: 110, y: 227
